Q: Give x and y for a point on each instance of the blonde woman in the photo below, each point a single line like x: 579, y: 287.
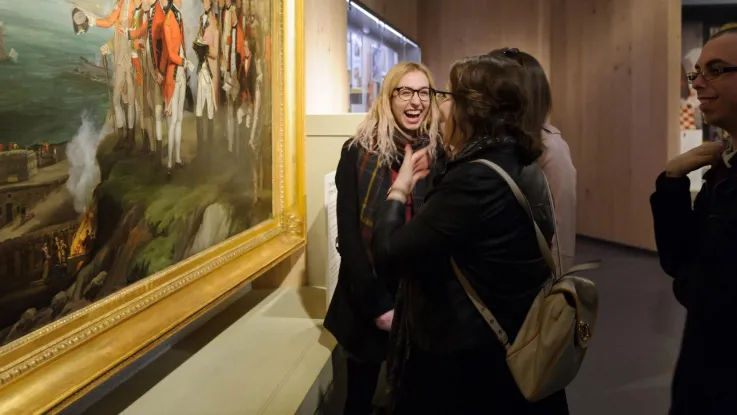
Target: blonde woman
x: 362, y: 309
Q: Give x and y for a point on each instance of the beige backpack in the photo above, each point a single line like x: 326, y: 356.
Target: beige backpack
x: 552, y: 342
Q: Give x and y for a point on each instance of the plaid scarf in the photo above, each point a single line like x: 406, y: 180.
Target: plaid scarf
x: 374, y: 182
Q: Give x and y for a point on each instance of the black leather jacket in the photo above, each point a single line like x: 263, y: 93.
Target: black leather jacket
x: 472, y: 215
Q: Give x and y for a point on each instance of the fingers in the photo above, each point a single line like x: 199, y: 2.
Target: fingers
x: 421, y: 159
x: 720, y: 146
x: 711, y: 147
x: 419, y: 175
x: 419, y: 154
x: 407, y: 151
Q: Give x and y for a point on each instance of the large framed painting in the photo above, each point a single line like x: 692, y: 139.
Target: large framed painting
x: 150, y: 165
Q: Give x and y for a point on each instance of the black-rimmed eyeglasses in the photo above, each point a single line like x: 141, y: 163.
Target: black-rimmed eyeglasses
x: 710, y: 73
x: 442, y: 96
x: 406, y: 93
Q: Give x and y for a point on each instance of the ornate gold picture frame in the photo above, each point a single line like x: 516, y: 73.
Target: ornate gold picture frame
x: 52, y: 366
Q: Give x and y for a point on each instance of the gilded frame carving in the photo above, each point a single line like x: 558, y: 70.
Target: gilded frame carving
x: 52, y: 367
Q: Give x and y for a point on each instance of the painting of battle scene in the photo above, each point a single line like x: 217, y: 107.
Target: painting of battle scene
x: 133, y: 134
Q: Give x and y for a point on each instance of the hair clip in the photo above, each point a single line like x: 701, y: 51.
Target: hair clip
x: 511, y: 52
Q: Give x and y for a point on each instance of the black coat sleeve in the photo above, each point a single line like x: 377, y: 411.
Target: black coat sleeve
x: 674, y: 221
x: 452, y: 212
x: 368, y: 294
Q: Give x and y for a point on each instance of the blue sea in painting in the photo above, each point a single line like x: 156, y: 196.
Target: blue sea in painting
x: 41, y: 95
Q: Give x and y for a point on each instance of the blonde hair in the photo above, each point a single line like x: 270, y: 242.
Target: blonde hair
x: 376, y: 131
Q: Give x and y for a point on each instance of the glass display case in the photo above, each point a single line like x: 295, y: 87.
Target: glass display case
x: 373, y: 48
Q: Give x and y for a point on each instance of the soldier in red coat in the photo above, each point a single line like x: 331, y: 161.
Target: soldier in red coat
x: 174, y: 64
x: 150, y: 32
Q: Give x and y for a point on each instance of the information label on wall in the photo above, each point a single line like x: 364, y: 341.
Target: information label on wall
x: 333, y: 263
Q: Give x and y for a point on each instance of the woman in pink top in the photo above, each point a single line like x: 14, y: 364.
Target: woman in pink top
x: 558, y: 168
x: 556, y: 159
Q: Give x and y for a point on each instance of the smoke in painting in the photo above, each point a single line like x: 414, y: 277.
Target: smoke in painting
x: 133, y: 134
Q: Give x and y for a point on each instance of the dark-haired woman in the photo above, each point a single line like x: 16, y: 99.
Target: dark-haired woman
x: 445, y: 359
x: 556, y: 158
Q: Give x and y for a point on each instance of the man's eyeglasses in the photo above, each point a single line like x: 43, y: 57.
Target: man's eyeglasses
x: 710, y: 73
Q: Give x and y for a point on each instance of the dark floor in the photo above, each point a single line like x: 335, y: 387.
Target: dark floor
x: 630, y: 361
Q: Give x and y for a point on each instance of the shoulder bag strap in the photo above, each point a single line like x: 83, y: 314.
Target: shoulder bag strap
x: 541, y: 242
x: 544, y: 249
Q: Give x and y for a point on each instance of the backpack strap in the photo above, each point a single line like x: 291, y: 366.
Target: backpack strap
x: 481, y: 307
x: 556, y: 273
x: 541, y: 242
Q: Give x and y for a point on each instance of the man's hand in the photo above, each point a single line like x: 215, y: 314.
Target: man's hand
x: 91, y: 20
x: 384, y: 322
x: 249, y: 117
x: 188, y: 65
x: 704, y: 155
x: 240, y: 114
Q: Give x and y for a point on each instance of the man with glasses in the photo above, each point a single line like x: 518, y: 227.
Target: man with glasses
x: 697, y: 245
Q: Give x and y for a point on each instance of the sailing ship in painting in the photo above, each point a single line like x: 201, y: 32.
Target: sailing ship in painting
x: 133, y: 134
x: 98, y: 72
x: 9, y: 56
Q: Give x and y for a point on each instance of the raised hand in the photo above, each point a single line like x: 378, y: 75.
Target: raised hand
x: 704, y: 155
x: 384, y: 322
x: 421, y: 160
x: 413, y: 170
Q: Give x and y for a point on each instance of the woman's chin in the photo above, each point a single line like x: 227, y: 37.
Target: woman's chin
x: 410, y: 126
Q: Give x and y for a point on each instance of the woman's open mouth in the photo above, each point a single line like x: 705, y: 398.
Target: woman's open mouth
x: 413, y: 115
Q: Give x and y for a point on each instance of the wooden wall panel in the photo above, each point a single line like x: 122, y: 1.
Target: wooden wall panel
x: 614, y: 73
x: 326, y: 74
x: 450, y: 30
x: 402, y: 14
x: 613, y: 66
